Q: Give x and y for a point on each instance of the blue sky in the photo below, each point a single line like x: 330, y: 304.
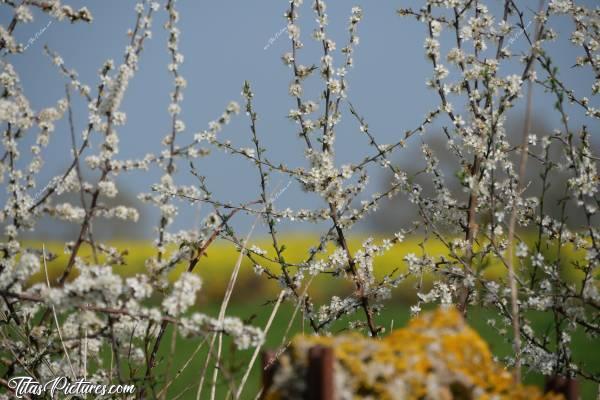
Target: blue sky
x: 224, y: 43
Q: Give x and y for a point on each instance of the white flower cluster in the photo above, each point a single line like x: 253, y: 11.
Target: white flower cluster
x: 183, y: 295
x: 95, y: 309
x: 476, y: 208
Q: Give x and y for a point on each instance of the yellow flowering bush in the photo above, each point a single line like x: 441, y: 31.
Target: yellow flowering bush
x: 437, y: 356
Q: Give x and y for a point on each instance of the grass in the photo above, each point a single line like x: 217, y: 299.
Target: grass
x: 396, y: 315
x: 251, y: 293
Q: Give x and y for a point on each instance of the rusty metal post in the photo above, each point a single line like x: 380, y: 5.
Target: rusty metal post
x: 568, y: 387
x: 319, y: 377
x: 269, y: 365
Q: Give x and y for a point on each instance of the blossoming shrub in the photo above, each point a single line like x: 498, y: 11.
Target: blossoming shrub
x: 54, y: 326
x: 437, y: 355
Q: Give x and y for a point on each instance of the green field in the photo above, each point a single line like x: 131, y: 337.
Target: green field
x: 252, y: 292
x: 394, y: 314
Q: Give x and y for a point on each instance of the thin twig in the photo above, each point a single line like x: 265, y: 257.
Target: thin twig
x: 258, y: 348
x: 56, y: 316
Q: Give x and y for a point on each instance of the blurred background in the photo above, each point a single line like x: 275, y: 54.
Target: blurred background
x: 227, y: 42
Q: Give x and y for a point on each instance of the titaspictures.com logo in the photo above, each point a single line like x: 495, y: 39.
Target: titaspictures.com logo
x: 24, y: 386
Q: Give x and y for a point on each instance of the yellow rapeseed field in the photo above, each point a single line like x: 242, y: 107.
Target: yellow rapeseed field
x: 216, y: 266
